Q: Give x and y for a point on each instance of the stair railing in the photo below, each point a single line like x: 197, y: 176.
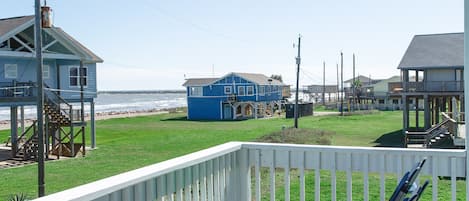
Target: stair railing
x: 59, y: 104
x: 26, y: 145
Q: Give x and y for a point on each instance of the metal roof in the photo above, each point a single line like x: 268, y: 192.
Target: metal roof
x: 434, y: 51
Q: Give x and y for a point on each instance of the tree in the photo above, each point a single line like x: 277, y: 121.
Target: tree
x: 277, y: 77
x: 357, y: 86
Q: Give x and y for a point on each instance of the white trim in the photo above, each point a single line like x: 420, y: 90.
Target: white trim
x: 18, y: 29
x: 46, y: 73
x: 78, y: 77
x: 228, y: 87
x: 49, y: 45
x: 244, y: 91
x: 6, y: 71
x: 197, y: 95
x: 247, y: 90
x: 23, y: 44
x: 261, y: 92
x: 31, y: 55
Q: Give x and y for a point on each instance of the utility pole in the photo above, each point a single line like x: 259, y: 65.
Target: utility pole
x: 337, y: 68
x: 298, y: 61
x: 323, y: 83
x: 40, y: 98
x: 353, y: 84
x: 342, y: 83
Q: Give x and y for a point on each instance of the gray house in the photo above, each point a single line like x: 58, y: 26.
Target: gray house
x: 69, y: 71
x: 432, y: 71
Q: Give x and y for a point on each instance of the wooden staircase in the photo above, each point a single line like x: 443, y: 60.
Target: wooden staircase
x: 59, y: 123
x: 435, y: 137
x: 27, y: 144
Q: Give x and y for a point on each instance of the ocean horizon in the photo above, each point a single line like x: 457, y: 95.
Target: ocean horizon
x: 122, y: 101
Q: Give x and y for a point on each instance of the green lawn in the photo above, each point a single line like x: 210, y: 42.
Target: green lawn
x: 129, y: 143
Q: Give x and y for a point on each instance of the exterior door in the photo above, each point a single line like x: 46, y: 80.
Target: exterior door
x: 227, y: 114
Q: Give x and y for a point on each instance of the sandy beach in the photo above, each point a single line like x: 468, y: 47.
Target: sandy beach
x: 5, y: 124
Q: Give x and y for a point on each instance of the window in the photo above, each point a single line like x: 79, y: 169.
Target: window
x: 261, y: 90
x: 228, y: 90
x: 241, y: 91
x: 395, y: 101
x: 11, y: 70
x: 381, y: 101
x: 249, y: 90
x: 74, y: 76
x: 46, y: 71
x: 196, y: 91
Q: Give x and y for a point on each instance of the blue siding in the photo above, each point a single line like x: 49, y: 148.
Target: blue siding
x: 27, y: 68
x: 204, y: 108
x: 209, y: 107
x: 64, y: 66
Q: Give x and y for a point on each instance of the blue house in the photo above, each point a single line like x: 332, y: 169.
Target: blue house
x: 234, y: 96
x: 69, y: 75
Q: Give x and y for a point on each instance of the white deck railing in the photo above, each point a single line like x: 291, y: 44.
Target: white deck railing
x: 235, y: 172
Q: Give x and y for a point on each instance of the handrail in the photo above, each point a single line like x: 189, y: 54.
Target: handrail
x: 432, y: 134
x: 57, y: 101
x: 26, y: 144
x: 27, y: 130
x: 232, y: 172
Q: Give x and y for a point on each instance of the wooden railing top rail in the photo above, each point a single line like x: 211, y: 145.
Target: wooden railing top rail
x: 103, y: 187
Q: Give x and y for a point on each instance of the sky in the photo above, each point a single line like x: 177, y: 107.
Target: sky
x: 157, y: 44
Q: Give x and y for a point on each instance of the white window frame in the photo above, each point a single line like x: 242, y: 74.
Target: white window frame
x: 229, y: 88
x: 199, y: 93
x: 46, y: 71
x: 261, y: 91
x: 77, y: 77
x: 11, y: 68
x: 241, y: 89
x: 247, y: 90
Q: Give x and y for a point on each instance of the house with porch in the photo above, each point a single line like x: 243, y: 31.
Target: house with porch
x: 432, y: 75
x: 234, y: 96
x: 69, y: 74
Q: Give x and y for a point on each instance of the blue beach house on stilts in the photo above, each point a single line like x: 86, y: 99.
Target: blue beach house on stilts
x: 69, y: 74
x: 234, y: 96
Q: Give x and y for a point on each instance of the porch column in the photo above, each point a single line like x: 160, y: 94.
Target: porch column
x: 14, y: 129
x: 417, y: 112
x: 405, y: 113
x: 426, y: 112
x: 22, y: 119
x: 405, y: 80
x: 92, y: 125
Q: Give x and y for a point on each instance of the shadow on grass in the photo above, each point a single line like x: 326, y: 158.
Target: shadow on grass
x: 392, y: 139
x: 184, y: 118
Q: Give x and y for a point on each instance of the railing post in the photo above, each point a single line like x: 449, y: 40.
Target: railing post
x: 244, y: 175
x: 239, y: 185
x: 72, y: 144
x: 466, y: 86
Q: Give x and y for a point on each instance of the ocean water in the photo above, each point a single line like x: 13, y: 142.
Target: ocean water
x: 127, y: 102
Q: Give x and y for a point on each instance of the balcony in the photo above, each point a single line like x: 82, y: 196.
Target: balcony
x: 17, y: 91
x: 434, y: 86
x: 239, y: 171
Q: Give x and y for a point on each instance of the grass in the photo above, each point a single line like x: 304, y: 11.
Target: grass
x: 129, y: 143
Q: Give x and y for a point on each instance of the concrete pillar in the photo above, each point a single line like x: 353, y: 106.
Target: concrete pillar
x: 14, y: 129
x: 92, y: 125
